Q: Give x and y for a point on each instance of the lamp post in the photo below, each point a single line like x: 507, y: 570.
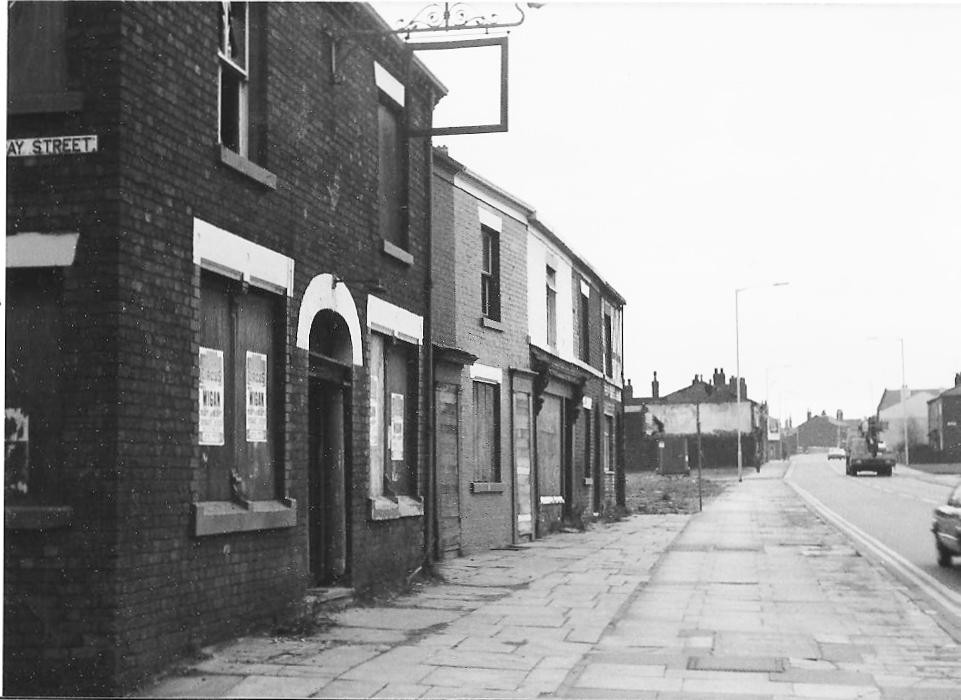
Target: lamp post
x: 904, y: 405
x: 737, y: 357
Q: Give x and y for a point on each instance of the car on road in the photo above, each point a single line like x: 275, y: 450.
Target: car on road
x: 837, y: 453
x: 860, y: 459
x: 947, y: 528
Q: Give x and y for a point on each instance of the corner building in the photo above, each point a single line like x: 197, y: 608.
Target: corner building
x: 217, y: 280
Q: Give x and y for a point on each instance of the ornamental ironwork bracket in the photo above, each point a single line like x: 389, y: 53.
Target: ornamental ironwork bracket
x: 458, y: 16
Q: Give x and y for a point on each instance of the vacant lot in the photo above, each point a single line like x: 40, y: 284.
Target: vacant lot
x: 647, y: 492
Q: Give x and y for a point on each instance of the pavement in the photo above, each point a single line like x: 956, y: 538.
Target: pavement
x: 756, y: 597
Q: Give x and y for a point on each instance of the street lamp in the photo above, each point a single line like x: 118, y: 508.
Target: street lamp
x: 904, y: 406
x: 737, y: 357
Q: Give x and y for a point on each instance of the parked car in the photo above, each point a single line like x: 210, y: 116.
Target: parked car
x: 836, y: 453
x: 947, y: 528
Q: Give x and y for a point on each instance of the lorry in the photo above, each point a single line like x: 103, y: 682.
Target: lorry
x: 866, y: 453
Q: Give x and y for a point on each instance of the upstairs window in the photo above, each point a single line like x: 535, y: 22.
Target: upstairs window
x: 610, y: 443
x: 551, y: 293
x: 37, y: 77
x: 392, y: 172
x: 490, y: 274
x: 608, y: 346
x: 584, y: 347
x: 242, y: 93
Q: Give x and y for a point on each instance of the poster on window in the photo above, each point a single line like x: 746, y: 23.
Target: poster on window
x: 397, y: 427
x: 256, y: 397
x: 211, y: 396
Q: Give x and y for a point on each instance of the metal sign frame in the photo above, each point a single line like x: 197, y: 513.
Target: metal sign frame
x: 499, y: 127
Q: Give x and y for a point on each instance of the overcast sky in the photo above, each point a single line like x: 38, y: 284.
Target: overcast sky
x: 686, y: 150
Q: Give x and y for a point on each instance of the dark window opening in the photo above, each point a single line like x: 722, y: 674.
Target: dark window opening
x: 35, y: 408
x: 487, y: 462
x: 392, y: 172
x: 490, y: 274
x: 551, y: 290
x: 608, y: 346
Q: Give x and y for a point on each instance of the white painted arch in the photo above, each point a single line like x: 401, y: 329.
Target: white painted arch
x: 325, y: 292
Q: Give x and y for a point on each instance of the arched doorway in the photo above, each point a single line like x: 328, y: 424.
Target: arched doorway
x: 329, y: 408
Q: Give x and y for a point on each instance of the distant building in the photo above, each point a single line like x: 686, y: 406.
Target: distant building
x: 661, y: 432
x: 823, y: 431
x: 944, y: 421
x: 891, y: 413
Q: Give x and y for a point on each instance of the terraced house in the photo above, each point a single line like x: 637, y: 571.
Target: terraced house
x: 529, y: 408
x: 217, y: 267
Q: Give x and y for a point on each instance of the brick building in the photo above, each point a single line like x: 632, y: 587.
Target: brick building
x: 944, y: 420
x: 661, y: 431
x: 217, y: 270
x: 823, y: 431
x: 892, y: 413
x: 480, y: 335
x: 575, y: 330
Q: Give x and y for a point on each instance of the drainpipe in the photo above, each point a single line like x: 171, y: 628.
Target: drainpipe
x: 430, y: 483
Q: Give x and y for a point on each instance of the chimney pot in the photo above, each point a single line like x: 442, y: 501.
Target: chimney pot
x: 655, y: 387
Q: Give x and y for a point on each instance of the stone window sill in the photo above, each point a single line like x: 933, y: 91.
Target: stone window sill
x: 37, y: 517
x: 588, y: 481
x: 384, y: 508
x: 486, y: 487
x: 492, y: 324
x: 551, y: 500
x: 241, y: 164
x: 221, y: 517
x: 397, y: 253
x: 45, y: 102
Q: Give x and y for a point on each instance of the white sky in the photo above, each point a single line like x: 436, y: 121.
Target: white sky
x: 686, y: 150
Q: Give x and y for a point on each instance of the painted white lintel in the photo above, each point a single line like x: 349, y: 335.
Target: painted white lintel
x: 256, y: 264
x: 393, y: 320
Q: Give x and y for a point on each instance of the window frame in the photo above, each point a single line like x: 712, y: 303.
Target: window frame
x: 608, y: 321
x: 238, y: 72
x: 551, y: 302
x: 487, y: 473
x: 394, y: 231
x: 490, y: 273
x: 386, y: 503
x: 584, y: 351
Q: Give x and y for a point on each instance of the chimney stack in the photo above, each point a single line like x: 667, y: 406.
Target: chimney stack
x: 840, y: 414
x: 655, y: 388
x: 628, y: 391
x: 957, y: 379
x: 809, y: 415
x: 720, y: 377
x: 743, y: 383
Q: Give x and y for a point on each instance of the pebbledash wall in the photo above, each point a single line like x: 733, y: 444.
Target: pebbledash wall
x: 116, y: 560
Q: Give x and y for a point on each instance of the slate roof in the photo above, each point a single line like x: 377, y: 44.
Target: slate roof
x: 892, y: 397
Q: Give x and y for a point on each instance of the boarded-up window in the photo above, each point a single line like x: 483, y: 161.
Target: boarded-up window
x: 393, y: 411
x: 36, y: 52
x: 392, y: 172
x: 487, y: 467
x: 588, y: 440
x: 549, y: 447
x: 240, y: 391
x: 34, y: 416
x: 609, y: 443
